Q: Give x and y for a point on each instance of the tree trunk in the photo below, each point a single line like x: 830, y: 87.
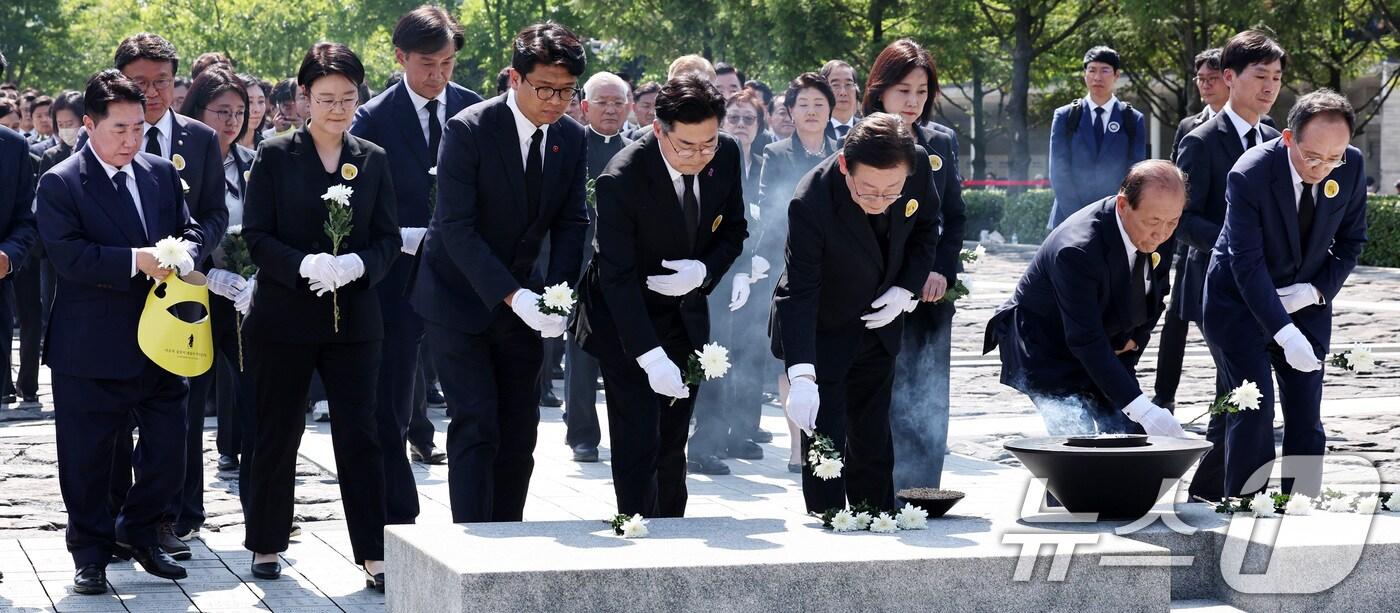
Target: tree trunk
x: 979, y: 124
x: 876, y: 16
x: 1022, y: 54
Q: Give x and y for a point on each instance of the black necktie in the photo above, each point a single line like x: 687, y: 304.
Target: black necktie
x: 1137, y: 288
x: 153, y: 141
x: 1306, y: 209
x: 690, y: 207
x: 534, y: 175
x: 124, y: 194
x: 434, y: 131
x: 842, y: 129
x: 1249, y: 138
x: 880, y: 225
x: 1098, y: 127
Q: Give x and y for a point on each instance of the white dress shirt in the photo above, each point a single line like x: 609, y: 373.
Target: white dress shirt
x: 167, y: 126
x: 1107, y: 107
x: 1241, y: 126
x: 678, y: 182
x: 1132, y: 250
x: 420, y: 104
x: 524, y: 129
x: 1297, y: 183
x: 850, y: 123
x: 234, y: 203
x: 135, y: 197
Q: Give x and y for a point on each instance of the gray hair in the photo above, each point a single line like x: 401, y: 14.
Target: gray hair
x: 1156, y: 174
x: 601, y: 79
x: 1320, y: 102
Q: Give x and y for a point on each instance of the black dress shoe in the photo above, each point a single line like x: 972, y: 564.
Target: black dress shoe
x: 432, y: 455
x: 90, y: 579
x: 375, y: 581
x: 747, y: 450
x: 707, y: 465
x: 548, y: 399
x: 294, y: 531
x: 30, y: 402
x: 795, y: 468
x: 761, y: 436
x: 228, y: 462
x: 435, y: 399
x: 267, y: 570
x: 157, y: 562
x: 170, y: 543
x: 585, y: 453
x: 1167, y: 404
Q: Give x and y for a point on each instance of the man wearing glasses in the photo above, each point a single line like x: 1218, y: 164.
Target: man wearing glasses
x: 863, y: 226
x: 670, y: 224
x: 1295, y: 224
x: 1252, y: 68
x: 510, y: 170
x: 845, y: 112
x: 151, y: 63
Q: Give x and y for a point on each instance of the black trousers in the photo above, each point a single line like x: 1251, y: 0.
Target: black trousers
x: 728, y: 413
x: 29, y: 311
x: 553, y: 353
x: 492, y: 379
x: 398, y: 383
x: 648, y: 435
x: 233, y: 391
x: 1171, y: 351
x: 855, y: 414
x: 90, y: 415
x: 420, y: 428
x: 580, y: 397
x: 282, y: 375
x: 187, y: 509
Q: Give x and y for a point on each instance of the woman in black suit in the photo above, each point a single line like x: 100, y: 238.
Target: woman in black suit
x: 292, y: 327
x: 808, y: 101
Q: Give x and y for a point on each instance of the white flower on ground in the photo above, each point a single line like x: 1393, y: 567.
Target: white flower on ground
x: 863, y: 520
x: 714, y: 360
x: 844, y: 521
x: 339, y: 194
x: 1340, y: 504
x: 1361, y: 358
x: 884, y: 524
x: 979, y: 251
x: 634, y: 528
x: 828, y: 469
x: 235, y: 230
x: 912, y: 518
x: 1298, y: 504
x: 1246, y: 396
x: 1368, y: 504
x: 432, y: 171
x: 1262, y: 505
x: 170, y: 251
x: 558, y: 297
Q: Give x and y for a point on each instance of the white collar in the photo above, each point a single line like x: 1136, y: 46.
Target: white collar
x: 1127, y: 240
x: 1293, y: 172
x: 607, y: 138
x: 675, y: 174
x: 419, y: 102
x: 1107, y: 106
x: 113, y: 170
x: 165, y: 124
x: 851, y: 123
x: 524, y: 128
x: 1241, y: 127
x: 1210, y: 112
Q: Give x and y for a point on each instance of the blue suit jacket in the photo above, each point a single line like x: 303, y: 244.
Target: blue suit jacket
x: 1259, y: 249
x: 481, y: 245
x: 88, y: 234
x: 17, y: 230
x: 1080, y: 171
x: 1070, y: 313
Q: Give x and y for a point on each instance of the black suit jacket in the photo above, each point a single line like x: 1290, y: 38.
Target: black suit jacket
x: 835, y: 268
x: 283, y: 222
x: 17, y: 180
x: 942, y: 152
x: 1206, y: 155
x: 481, y: 244
x: 1070, y: 313
x: 640, y: 223
x: 1185, y: 126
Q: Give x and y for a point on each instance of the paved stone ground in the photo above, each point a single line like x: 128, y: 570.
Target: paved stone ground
x: 1358, y: 412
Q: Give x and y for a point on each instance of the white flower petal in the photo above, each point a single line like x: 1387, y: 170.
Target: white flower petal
x: 884, y: 524
x: 1262, y: 505
x: 1298, y: 504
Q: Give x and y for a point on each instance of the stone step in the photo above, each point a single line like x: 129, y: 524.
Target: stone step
x: 1202, y: 606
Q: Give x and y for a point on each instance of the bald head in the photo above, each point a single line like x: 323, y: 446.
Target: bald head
x: 1150, y: 203
x: 687, y: 64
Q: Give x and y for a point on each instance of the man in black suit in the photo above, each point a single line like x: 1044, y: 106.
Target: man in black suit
x: 1082, y: 313
x: 17, y: 177
x: 510, y: 170
x: 863, y: 227
x: 846, y: 111
x: 406, y: 120
x: 670, y: 224
x: 100, y: 212
x: 1253, y: 68
x: 151, y: 63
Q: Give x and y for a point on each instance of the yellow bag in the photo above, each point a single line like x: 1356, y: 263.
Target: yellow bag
x: 178, y: 346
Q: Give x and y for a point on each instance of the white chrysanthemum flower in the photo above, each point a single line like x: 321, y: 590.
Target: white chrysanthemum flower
x: 759, y: 265
x: 714, y: 360
x: 912, y: 518
x: 979, y: 251
x: 170, y: 251
x: 559, y: 297
x: 755, y: 212
x: 884, y: 524
x: 432, y: 171
x: 235, y: 230
x: 1298, y: 504
x: 828, y: 469
x: 634, y: 528
x: 1246, y: 396
x: 844, y: 521
x: 1361, y: 359
x: 1262, y: 505
x: 339, y: 194
x: 1340, y: 504
x: 1368, y: 504
x: 863, y: 520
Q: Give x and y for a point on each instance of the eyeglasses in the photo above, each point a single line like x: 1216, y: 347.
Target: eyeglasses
x: 226, y: 116
x: 1207, y: 80
x: 690, y: 152
x: 607, y: 105
x: 841, y: 86
x: 1313, y: 163
x: 741, y: 120
x: 545, y: 93
x: 875, y: 198
x: 158, y: 84
x: 331, y: 104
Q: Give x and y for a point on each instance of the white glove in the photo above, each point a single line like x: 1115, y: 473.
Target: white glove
x: 1296, y: 349
x: 758, y: 268
x: 888, y: 306
x: 319, y: 269
x: 225, y: 283
x: 412, y: 239
x: 689, y: 275
x: 803, y: 402
x: 526, y: 305
x: 186, y: 264
x: 1154, y: 420
x: 1298, y: 296
x: 662, y: 374
x: 348, y: 268
x: 739, y: 294
x: 244, y: 300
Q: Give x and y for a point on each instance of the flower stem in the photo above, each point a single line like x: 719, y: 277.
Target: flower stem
x: 238, y: 324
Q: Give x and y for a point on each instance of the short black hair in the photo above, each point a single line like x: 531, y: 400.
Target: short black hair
x: 547, y: 43
x: 107, y: 87
x: 7, y: 106
x: 428, y: 29
x: 1105, y: 54
x: 70, y: 101
x: 211, y: 58
x: 40, y: 101
x: 809, y: 80
x: 688, y: 99
x: 647, y: 89
x: 763, y: 90
x: 1209, y: 58
x: 183, y: 82
x: 212, y: 82
x: 326, y: 59
x: 831, y: 65
x: 285, y: 91
x: 146, y: 46
x: 1323, y: 102
x: 1251, y: 47
x: 727, y: 68
x: 394, y: 79
x: 251, y: 80
x: 880, y: 140
x: 503, y: 80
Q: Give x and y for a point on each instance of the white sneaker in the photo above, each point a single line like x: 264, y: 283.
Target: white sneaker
x: 321, y: 411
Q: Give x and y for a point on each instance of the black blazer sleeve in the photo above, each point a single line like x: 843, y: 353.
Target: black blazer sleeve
x: 211, y: 212
x: 570, y: 228
x: 458, y: 188
x: 1194, y: 159
x: 20, y: 229
x: 1076, y: 278
x: 922, y: 247
x: 277, y: 260
x: 800, y: 290
x: 616, y: 257
x: 720, y: 254
x: 385, y: 242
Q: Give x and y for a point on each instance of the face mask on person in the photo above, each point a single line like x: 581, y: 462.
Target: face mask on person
x: 69, y: 136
